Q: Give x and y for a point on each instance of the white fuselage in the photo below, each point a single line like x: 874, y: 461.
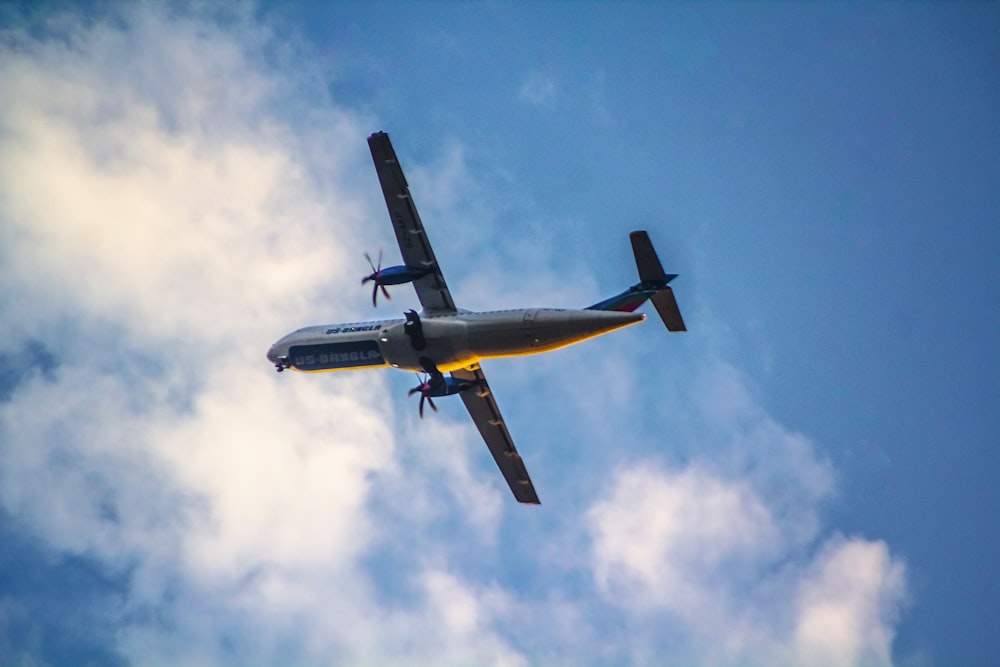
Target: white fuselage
x: 450, y: 341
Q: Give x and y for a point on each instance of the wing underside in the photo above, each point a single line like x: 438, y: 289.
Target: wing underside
x: 483, y: 408
x: 432, y: 291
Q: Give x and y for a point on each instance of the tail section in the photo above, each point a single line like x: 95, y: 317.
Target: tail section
x: 653, y: 286
x: 666, y: 306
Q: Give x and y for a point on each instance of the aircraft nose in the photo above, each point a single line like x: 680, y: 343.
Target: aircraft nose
x: 272, y: 355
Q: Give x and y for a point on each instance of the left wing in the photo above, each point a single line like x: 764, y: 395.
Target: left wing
x: 480, y: 404
x: 410, y: 235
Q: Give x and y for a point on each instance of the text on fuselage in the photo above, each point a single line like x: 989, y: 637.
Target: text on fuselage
x: 337, y: 358
x: 353, y: 329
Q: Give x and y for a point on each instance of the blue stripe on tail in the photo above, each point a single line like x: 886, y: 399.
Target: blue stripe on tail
x: 626, y: 301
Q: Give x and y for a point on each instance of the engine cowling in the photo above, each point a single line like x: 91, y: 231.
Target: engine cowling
x: 436, y: 386
x: 390, y: 275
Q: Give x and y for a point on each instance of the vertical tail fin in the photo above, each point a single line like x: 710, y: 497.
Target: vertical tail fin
x: 646, y: 260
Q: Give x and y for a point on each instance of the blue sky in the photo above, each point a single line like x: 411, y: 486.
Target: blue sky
x: 804, y: 478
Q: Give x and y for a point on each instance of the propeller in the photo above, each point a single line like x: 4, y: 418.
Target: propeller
x: 376, y: 277
x: 424, y: 389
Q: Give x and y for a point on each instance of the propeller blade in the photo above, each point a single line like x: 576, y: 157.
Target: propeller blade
x: 375, y: 276
x: 423, y: 389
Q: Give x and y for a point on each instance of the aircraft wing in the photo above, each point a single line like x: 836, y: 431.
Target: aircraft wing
x: 483, y: 408
x: 413, y: 243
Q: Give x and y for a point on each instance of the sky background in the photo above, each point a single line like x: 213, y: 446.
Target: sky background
x: 806, y: 477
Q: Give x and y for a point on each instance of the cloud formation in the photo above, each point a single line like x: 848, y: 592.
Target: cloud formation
x: 703, y: 557
x: 174, y: 195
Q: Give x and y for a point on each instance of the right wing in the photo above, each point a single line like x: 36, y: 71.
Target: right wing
x: 484, y: 411
x: 410, y: 235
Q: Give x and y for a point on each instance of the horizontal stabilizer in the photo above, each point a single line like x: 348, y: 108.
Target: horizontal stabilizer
x: 650, y: 269
x: 666, y: 306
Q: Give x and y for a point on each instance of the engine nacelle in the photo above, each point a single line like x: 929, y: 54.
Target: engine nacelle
x: 446, y: 386
x: 399, y: 275
x: 391, y: 275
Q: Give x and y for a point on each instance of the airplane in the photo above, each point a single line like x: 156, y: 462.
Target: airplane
x: 443, y: 338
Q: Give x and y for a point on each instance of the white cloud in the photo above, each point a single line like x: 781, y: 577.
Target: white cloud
x: 705, y: 556
x: 847, y: 605
x: 657, y: 530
